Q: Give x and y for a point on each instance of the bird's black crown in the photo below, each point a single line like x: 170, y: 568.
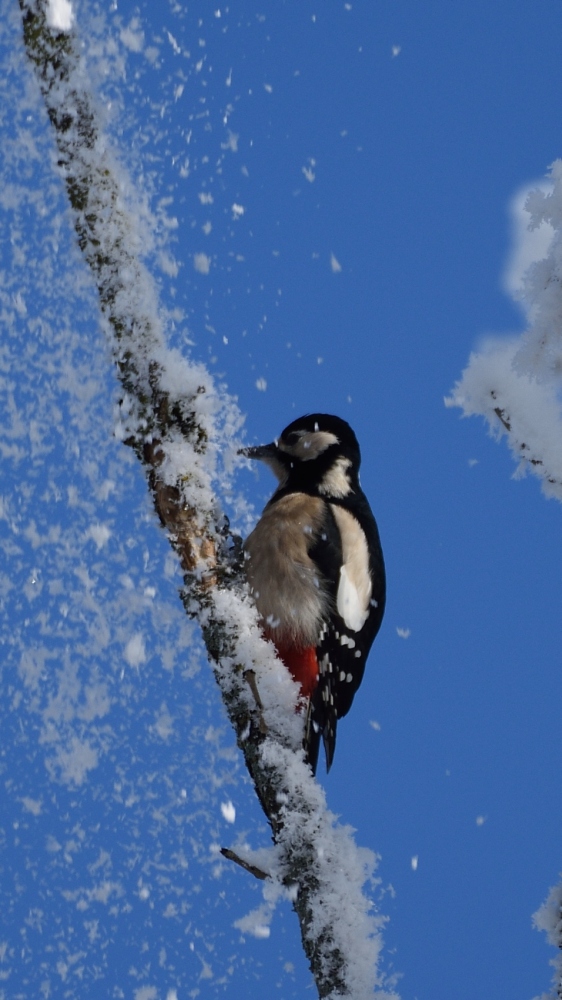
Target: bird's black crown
x: 347, y: 443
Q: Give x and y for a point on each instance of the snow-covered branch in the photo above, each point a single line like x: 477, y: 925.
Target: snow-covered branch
x: 178, y: 424
x: 549, y: 919
x: 524, y: 408
x: 516, y: 383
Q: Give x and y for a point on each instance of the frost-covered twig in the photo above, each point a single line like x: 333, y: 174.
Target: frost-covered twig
x: 253, y: 869
x: 176, y: 422
x: 516, y: 383
x: 549, y: 919
x: 518, y: 405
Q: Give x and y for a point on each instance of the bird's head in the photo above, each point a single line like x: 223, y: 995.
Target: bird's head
x: 317, y: 453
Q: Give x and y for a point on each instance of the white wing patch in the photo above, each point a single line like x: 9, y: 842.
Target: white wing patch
x: 354, y: 588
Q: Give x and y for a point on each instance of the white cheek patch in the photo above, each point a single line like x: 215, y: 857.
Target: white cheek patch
x: 310, y: 444
x: 354, y: 588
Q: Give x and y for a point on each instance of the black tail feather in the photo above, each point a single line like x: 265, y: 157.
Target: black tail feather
x: 314, y: 733
x: 311, y: 741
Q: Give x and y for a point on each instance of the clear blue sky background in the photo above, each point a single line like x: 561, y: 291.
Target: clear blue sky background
x: 416, y: 124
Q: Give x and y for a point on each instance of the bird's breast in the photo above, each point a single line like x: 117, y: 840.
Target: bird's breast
x: 288, y: 589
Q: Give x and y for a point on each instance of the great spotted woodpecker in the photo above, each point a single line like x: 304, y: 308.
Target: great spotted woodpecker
x: 315, y: 567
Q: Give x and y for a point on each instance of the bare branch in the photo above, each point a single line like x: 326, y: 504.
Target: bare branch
x: 253, y: 869
x: 500, y: 414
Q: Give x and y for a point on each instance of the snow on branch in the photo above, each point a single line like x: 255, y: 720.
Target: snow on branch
x: 549, y: 919
x: 528, y: 411
x: 516, y: 383
x: 178, y: 424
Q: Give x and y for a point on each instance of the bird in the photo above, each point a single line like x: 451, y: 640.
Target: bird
x: 315, y: 569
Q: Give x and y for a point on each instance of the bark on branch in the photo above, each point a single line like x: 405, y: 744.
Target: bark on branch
x: 155, y: 419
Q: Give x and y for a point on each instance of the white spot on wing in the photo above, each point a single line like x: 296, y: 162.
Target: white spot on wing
x: 354, y: 589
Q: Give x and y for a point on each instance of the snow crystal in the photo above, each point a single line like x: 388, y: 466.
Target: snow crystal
x: 228, y: 811
x: 60, y: 15
x: 146, y: 993
x: 71, y: 764
x: 132, y: 36
x: 202, y: 263
x: 135, y: 653
x: 33, y: 806
x: 164, y: 724
x: 308, y: 170
x: 251, y: 924
x: 231, y: 142
x: 101, y: 534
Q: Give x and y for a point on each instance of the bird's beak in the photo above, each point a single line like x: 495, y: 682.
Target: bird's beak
x: 261, y: 452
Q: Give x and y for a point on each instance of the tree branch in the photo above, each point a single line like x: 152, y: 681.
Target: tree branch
x: 253, y: 869
x: 168, y: 429
x: 518, y: 405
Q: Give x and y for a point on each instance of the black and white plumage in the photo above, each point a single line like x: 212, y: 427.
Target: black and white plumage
x: 315, y: 566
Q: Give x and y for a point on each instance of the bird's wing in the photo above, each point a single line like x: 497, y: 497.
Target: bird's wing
x: 348, y: 632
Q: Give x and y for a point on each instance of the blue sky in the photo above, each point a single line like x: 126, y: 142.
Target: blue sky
x: 374, y: 149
